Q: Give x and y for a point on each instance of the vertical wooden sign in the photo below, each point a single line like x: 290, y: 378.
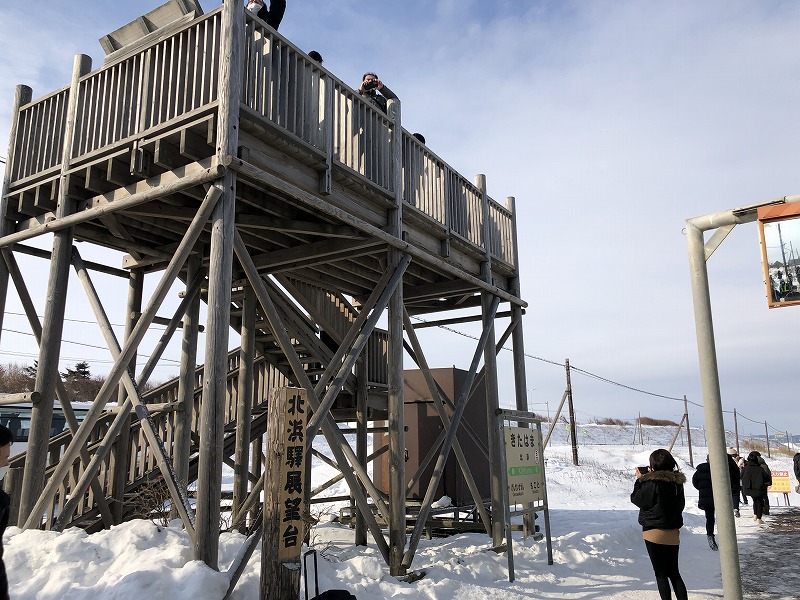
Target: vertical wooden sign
x: 285, y: 498
x: 293, y: 497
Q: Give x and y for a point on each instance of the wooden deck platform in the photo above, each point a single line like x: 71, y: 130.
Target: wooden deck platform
x: 318, y: 171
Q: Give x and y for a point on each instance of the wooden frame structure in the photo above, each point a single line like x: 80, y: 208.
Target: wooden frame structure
x: 300, y: 215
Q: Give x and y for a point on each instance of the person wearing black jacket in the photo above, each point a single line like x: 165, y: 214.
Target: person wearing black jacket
x: 659, y: 495
x: 797, y: 471
x: 701, y: 480
x: 272, y: 14
x: 736, y: 479
x: 6, y: 439
x: 755, y: 482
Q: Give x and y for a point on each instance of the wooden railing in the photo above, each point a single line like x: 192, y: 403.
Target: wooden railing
x: 178, y: 77
x: 142, y: 461
x: 40, y: 135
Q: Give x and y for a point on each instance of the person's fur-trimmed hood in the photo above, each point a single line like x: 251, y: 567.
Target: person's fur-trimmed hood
x: 667, y: 476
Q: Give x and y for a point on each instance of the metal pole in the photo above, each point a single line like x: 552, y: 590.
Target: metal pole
x: 712, y: 408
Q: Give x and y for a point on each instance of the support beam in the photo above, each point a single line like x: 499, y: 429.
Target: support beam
x: 433, y: 386
x: 120, y: 460
x: 244, y: 404
x: 321, y: 205
x: 336, y: 440
x: 139, y: 193
x: 223, y: 226
x: 186, y: 376
x: 61, y: 390
x: 22, y: 97
x: 53, y: 325
x: 118, y: 369
x: 157, y: 447
x: 438, y: 469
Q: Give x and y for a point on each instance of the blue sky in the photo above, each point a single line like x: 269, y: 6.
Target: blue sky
x: 611, y: 123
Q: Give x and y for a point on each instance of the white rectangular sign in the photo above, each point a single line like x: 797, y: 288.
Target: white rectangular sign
x: 525, y: 464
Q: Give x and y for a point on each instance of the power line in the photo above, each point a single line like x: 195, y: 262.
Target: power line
x: 572, y: 367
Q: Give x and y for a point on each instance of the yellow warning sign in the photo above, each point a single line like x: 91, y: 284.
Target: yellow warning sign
x: 780, y: 482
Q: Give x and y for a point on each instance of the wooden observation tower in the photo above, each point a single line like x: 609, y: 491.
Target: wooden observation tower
x: 212, y: 151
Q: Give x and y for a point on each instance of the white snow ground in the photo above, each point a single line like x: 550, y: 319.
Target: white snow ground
x: 597, y: 546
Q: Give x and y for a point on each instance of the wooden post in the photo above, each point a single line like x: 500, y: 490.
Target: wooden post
x: 186, y: 379
x: 244, y: 405
x: 572, y: 434
x: 397, y: 463
x: 361, y: 439
x: 766, y: 432
x: 490, y: 378
x: 688, y: 430
x: 22, y: 97
x: 555, y: 420
x: 212, y: 408
x: 120, y: 457
x: 284, y: 495
x: 677, y: 433
x: 53, y: 325
x: 517, y: 338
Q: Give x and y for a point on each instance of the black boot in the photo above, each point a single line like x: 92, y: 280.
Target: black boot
x: 712, y: 543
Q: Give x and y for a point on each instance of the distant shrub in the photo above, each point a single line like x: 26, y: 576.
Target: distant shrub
x: 608, y: 421
x: 658, y: 422
x: 761, y: 446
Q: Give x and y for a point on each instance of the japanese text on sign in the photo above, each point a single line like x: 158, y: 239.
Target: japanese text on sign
x: 525, y: 465
x: 780, y: 482
x: 292, y: 503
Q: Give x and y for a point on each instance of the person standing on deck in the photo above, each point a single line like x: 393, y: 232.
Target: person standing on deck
x: 272, y: 15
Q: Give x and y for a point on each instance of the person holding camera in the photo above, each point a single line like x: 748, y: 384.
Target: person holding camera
x: 658, y: 492
x: 370, y: 86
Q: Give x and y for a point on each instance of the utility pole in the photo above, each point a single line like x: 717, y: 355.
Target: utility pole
x: 766, y: 431
x: 736, y: 429
x: 572, y: 435
x: 688, y: 429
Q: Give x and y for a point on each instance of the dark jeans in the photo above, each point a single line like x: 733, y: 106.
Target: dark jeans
x: 665, y: 565
x: 758, y: 506
x: 709, y: 520
x: 735, y: 497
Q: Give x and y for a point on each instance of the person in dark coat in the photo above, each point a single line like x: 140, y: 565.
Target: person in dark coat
x: 765, y: 466
x: 740, y: 461
x: 659, y: 495
x: 701, y: 480
x: 736, y: 479
x: 797, y: 470
x: 6, y: 439
x: 272, y: 14
x: 755, y: 482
